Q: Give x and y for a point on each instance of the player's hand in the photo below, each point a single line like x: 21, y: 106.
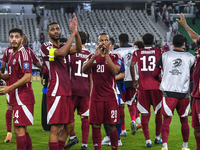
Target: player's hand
x: 98, y: 49
x: 74, y: 24
x: 182, y: 22
x: 5, y: 90
x: 135, y: 85
x: 106, y: 48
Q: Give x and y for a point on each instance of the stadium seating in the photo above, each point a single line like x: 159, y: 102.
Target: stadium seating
x: 114, y: 22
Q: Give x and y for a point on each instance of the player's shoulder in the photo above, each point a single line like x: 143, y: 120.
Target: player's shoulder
x: 9, y: 49
x: 115, y: 54
x: 45, y: 45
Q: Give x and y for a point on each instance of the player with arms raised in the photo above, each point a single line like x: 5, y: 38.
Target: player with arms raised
x: 103, y: 105
x: 60, y: 112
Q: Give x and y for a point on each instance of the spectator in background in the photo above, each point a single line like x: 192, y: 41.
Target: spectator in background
x: 38, y: 19
x: 166, y: 47
x: 41, y: 38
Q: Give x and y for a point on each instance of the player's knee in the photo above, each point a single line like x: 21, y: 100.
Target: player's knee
x: 9, y: 107
x: 56, y: 129
x: 19, y: 131
x: 96, y: 125
x: 197, y: 132
x: 84, y: 117
x: 110, y: 127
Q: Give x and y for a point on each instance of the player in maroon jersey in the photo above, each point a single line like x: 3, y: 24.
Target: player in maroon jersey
x: 103, y: 106
x: 8, y: 51
x: 148, y: 93
x: 60, y: 112
x: 19, y: 77
x: 80, y: 94
x: 196, y: 82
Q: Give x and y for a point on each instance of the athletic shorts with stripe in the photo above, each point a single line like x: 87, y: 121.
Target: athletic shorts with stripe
x: 60, y: 110
x: 169, y: 104
x: 81, y: 104
x: 104, y: 112
x: 128, y: 94
x: 146, y: 98
x: 23, y: 115
x: 196, y: 113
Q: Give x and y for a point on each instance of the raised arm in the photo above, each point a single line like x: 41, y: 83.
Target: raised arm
x: 67, y: 48
x: 193, y: 35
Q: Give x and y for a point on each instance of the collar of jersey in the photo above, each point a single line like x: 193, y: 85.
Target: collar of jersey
x: 177, y: 50
x: 147, y: 47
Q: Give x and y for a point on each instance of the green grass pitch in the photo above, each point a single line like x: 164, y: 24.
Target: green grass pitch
x: 131, y: 142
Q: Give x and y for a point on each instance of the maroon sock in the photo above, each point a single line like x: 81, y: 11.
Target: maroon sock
x: 145, y: 127
x: 85, y: 130
x: 137, y: 113
x: 132, y: 111
x: 72, y: 133
x: 29, y: 142
x: 185, y: 129
x: 21, y: 142
x: 114, y: 139
x: 158, y: 120
x: 9, y: 120
x: 165, y: 128
x: 53, y: 145
x: 122, y: 117
x: 61, y: 145
x: 198, y: 142
x: 96, y: 137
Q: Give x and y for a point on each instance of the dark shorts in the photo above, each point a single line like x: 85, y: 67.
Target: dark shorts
x: 146, y: 98
x: 60, y: 110
x: 23, y: 115
x: 81, y: 104
x: 104, y: 112
x: 128, y: 94
x: 169, y: 104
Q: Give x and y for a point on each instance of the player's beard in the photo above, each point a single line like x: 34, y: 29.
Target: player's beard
x: 55, y: 39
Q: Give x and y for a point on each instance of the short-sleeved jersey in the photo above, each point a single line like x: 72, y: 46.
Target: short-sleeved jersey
x: 34, y: 60
x: 196, y: 77
x: 59, y: 79
x: 80, y: 82
x: 147, y: 59
x: 104, y: 83
x: 18, y: 64
x: 8, y: 51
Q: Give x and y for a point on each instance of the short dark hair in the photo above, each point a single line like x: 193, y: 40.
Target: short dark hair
x: 124, y: 38
x: 148, y: 39
x: 63, y: 40
x: 178, y: 40
x: 18, y: 30
x: 51, y: 24
x: 112, y: 41
x: 83, y: 36
x: 139, y: 44
x: 103, y: 34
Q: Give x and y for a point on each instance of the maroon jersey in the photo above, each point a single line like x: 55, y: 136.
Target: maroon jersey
x: 8, y: 51
x: 147, y: 59
x: 34, y: 60
x: 196, y: 77
x: 104, y: 83
x: 77, y: 77
x: 18, y: 64
x: 59, y: 79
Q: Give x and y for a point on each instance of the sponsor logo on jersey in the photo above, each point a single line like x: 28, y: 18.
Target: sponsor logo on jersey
x: 14, y: 61
x: 177, y: 62
x: 26, y: 65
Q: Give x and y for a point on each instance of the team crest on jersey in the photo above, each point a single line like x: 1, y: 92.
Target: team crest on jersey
x: 14, y: 61
x: 26, y: 65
